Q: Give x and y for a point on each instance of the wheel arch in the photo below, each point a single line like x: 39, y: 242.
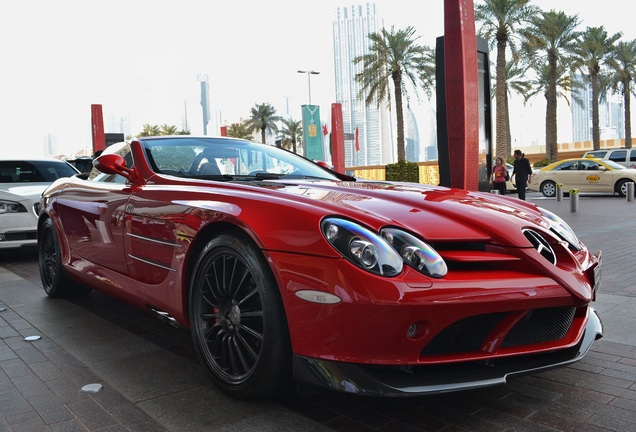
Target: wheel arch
x: 201, y: 240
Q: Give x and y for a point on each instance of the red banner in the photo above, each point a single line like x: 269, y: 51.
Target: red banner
x: 97, y: 121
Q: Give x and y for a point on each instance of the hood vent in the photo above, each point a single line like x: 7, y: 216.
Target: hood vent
x: 540, y: 244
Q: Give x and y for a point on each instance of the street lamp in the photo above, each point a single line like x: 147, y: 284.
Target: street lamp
x: 309, y: 74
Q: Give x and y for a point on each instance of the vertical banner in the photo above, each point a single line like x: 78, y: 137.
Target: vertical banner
x: 337, y: 138
x: 311, y: 132
x: 97, y: 121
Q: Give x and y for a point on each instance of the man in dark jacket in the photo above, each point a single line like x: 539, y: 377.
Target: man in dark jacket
x: 521, y: 173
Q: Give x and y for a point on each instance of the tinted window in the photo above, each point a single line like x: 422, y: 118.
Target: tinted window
x: 632, y: 157
x: 571, y: 165
x: 618, y: 155
x: 597, y: 154
x: 34, y: 171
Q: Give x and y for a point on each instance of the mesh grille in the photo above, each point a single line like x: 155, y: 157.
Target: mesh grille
x: 470, y: 334
x: 540, y: 325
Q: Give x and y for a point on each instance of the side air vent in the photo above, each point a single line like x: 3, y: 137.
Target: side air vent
x: 540, y: 244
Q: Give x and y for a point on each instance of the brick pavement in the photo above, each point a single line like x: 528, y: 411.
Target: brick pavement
x: 152, y: 381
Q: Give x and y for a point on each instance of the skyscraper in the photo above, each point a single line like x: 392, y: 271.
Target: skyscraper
x: 610, y: 114
x: 350, y: 40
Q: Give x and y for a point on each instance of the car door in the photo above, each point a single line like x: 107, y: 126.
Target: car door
x: 567, y: 174
x: 594, y: 178
x: 92, y: 215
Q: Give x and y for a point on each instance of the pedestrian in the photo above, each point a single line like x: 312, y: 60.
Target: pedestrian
x: 522, y: 173
x: 500, y: 175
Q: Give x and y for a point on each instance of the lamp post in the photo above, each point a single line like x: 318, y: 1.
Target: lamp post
x: 309, y: 74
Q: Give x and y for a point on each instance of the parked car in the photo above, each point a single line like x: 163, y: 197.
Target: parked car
x: 83, y: 164
x: 584, y: 174
x: 622, y: 156
x: 21, y: 185
x: 282, y: 268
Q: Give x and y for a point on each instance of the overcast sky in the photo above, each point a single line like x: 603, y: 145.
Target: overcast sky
x: 141, y: 58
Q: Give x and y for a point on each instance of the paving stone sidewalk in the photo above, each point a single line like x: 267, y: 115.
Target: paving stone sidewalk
x: 152, y: 381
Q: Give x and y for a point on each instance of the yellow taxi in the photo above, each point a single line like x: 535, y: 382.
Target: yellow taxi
x: 584, y: 174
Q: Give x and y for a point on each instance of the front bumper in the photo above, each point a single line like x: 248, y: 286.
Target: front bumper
x: 420, y: 380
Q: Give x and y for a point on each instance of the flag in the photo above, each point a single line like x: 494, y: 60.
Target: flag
x: 324, y: 129
x: 357, y: 142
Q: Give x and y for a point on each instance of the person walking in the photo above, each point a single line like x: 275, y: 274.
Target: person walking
x: 522, y: 173
x: 500, y: 175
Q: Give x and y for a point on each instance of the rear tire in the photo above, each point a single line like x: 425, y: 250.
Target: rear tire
x: 237, y: 319
x: 621, y: 187
x: 54, y: 279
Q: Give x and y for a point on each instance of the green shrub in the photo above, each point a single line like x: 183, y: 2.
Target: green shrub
x: 541, y: 163
x: 403, y: 171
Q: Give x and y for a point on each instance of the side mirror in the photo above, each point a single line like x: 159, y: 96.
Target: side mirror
x: 112, y: 164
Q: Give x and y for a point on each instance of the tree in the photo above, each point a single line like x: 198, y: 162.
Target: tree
x: 499, y: 19
x: 622, y: 62
x: 549, y: 41
x: 593, y: 49
x: 164, y: 129
x: 150, y: 130
x: 263, y: 118
x: 395, y: 59
x: 168, y: 129
x: 291, y: 133
x: 240, y: 130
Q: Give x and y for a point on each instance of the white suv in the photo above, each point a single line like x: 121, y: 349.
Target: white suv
x: 622, y: 156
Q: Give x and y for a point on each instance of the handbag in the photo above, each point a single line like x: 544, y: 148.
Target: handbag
x: 507, y: 176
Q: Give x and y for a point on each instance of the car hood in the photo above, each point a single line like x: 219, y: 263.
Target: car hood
x: 436, y: 213
x: 21, y: 191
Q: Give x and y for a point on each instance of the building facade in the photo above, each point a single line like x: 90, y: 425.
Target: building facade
x: 350, y: 39
x: 610, y: 114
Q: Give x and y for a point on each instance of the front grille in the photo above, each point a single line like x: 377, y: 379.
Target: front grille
x: 541, y: 245
x: 540, y: 325
x: 470, y: 334
x: 463, y: 336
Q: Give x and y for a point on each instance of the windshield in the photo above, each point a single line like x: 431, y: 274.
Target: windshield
x: 613, y: 165
x: 225, y: 158
x: 34, y: 171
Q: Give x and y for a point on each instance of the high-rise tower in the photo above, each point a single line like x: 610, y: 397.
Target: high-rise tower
x: 350, y: 40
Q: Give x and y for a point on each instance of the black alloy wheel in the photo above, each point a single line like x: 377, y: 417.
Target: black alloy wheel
x: 54, y: 280
x: 237, y: 319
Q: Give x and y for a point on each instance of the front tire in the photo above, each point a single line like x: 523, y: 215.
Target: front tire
x: 548, y: 188
x: 237, y: 319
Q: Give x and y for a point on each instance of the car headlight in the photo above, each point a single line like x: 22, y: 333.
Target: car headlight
x: 362, y: 247
x: 561, y: 228
x: 7, y: 207
x: 416, y: 253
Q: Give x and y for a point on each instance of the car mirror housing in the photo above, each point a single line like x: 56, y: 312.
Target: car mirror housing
x: 113, y: 164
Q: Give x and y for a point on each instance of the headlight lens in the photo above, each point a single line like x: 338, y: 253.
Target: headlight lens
x: 362, y: 247
x: 7, y: 207
x: 561, y: 228
x: 416, y: 253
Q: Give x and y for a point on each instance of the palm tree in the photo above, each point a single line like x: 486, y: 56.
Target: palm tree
x: 240, y: 130
x: 499, y: 19
x: 396, y: 59
x: 593, y: 48
x: 550, y: 40
x: 150, y: 130
x: 516, y: 81
x: 263, y: 118
x: 623, y: 73
x: 292, y: 132
x: 168, y: 130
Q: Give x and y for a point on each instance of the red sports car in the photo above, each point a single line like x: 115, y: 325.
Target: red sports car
x: 283, y: 269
